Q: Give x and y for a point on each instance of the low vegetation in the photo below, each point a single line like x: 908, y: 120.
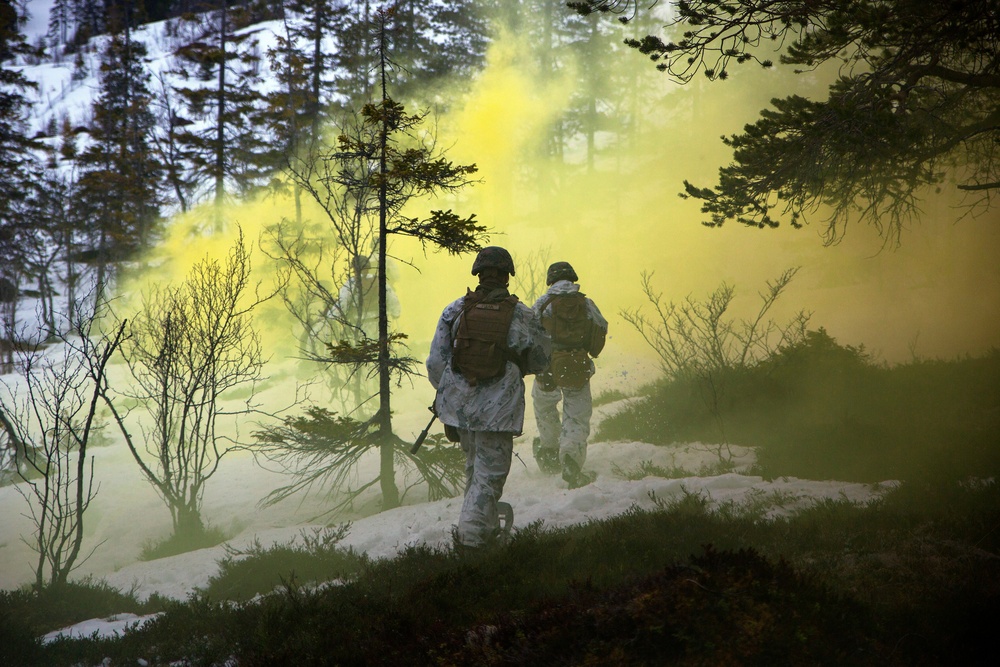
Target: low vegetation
x: 204, y: 538
x: 909, y: 579
x: 821, y: 410
x: 314, y: 559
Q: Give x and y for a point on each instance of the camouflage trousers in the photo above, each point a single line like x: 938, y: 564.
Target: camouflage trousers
x: 569, y: 434
x: 487, y: 463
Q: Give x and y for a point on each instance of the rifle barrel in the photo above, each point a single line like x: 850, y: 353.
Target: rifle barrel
x: 423, y: 435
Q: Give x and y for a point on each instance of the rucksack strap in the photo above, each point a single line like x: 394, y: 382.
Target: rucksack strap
x: 549, y: 298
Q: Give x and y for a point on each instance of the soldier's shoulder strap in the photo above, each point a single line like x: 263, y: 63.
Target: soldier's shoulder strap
x: 549, y: 298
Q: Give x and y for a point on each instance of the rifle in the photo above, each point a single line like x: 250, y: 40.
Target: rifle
x: 423, y: 434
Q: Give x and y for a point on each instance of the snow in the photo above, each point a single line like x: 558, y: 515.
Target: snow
x: 101, y: 627
x: 64, y: 93
x: 127, y: 514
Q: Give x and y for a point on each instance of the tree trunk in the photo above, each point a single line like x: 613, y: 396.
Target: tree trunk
x: 220, y: 125
x: 70, y: 279
x: 387, y: 473
x: 102, y: 268
x: 187, y: 522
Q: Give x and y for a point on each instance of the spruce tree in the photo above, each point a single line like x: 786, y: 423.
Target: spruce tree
x: 18, y: 165
x: 223, y: 145
x: 381, y: 161
x: 402, y: 172
x: 119, y: 186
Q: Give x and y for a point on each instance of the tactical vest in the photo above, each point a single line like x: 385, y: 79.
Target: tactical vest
x: 567, y: 321
x: 480, y: 349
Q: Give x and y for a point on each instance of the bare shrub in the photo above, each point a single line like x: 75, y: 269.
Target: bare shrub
x: 50, y: 419
x: 190, y: 345
x: 701, y: 342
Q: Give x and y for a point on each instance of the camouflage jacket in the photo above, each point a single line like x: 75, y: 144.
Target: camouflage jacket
x: 493, y: 405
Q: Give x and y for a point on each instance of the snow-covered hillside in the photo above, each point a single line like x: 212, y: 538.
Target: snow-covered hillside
x: 67, y: 85
x: 127, y: 513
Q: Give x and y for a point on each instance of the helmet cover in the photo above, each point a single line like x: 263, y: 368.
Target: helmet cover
x: 493, y: 257
x: 560, y: 271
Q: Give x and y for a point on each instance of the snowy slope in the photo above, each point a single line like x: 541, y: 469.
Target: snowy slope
x: 61, y: 95
x: 535, y: 497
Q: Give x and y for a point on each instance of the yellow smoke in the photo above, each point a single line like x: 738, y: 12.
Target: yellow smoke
x: 206, y: 234
x: 936, y: 296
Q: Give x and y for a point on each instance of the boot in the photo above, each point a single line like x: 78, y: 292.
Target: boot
x: 505, y: 521
x: 547, y: 458
x: 575, y: 477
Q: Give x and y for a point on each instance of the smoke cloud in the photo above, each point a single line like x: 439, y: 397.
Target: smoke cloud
x: 937, y: 295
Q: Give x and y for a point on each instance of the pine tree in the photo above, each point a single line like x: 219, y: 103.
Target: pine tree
x: 120, y: 176
x: 352, y: 60
x: 226, y: 147
x: 380, y: 163
x: 302, y: 62
x: 914, y: 107
x: 295, y: 111
x: 461, y: 32
x: 60, y: 21
x: 432, y: 42
x: 89, y: 17
x: 158, y: 10
x: 47, y: 223
x: 68, y: 148
x: 180, y: 180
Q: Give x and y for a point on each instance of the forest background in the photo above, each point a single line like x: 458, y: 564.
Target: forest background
x: 581, y: 145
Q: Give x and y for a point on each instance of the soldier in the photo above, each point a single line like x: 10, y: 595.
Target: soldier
x: 357, y: 301
x: 578, y: 331
x: 357, y: 314
x: 485, y: 343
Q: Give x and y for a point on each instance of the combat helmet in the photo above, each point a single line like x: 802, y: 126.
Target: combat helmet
x: 361, y: 263
x: 494, y: 257
x: 560, y: 271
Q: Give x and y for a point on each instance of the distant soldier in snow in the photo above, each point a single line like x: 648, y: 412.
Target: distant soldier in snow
x: 358, y: 298
x: 578, y: 331
x: 485, y: 343
x: 355, y: 319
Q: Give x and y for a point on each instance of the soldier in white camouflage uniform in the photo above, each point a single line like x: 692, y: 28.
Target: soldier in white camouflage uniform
x: 483, y: 396
x: 578, y: 332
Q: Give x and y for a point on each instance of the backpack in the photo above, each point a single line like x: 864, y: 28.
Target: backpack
x: 567, y: 321
x: 480, y: 351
